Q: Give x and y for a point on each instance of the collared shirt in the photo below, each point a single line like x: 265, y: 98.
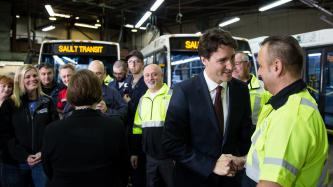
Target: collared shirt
x: 224, y: 93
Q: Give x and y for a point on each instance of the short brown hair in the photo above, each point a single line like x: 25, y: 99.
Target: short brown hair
x: 287, y: 49
x: 212, y: 39
x: 135, y: 53
x: 6, y: 80
x: 84, y: 88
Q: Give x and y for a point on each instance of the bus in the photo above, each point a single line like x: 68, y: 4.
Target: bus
x: 177, y: 55
x: 318, y: 69
x: 79, y: 53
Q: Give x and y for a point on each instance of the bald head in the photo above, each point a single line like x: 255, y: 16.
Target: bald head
x: 153, y: 77
x: 97, y: 67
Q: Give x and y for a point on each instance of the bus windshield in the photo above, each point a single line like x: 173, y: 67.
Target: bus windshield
x: 184, y: 65
x: 79, y: 54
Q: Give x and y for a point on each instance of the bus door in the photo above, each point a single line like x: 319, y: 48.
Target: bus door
x: 319, y: 78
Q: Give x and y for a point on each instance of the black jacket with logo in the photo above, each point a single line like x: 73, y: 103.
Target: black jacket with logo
x: 24, y: 130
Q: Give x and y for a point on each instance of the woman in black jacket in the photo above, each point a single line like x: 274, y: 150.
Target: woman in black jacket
x: 24, y: 117
x: 87, y: 148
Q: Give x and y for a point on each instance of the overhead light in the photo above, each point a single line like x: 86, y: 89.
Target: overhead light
x: 134, y: 30
x: 156, y: 5
x: 98, y: 24
x: 325, y: 19
x: 143, y: 19
x: 314, y: 4
x: 77, y: 17
x: 314, y: 54
x: 85, y: 25
x: 48, y: 28
x: 62, y: 15
x: 274, y: 4
x: 184, y: 61
x: 228, y: 22
x: 97, y: 21
x: 198, y: 33
x: 49, y: 10
x: 17, y: 16
x: 52, y: 18
x: 143, y: 28
x: 129, y: 26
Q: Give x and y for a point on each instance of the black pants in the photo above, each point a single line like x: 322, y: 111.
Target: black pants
x: 138, y: 177
x: 159, y: 172
x: 247, y: 182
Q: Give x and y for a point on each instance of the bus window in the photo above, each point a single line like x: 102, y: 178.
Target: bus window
x: 78, y: 53
x: 328, y: 73
x: 313, y: 72
x: 161, y: 60
x: 184, y: 65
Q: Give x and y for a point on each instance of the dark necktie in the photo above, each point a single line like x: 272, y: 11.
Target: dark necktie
x: 219, y: 108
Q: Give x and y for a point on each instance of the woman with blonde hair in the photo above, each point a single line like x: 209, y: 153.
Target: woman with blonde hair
x: 25, y: 114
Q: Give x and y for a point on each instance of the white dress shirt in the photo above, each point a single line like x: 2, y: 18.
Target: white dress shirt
x: 224, y: 94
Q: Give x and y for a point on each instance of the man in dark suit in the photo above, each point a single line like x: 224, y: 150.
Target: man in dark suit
x: 209, y: 118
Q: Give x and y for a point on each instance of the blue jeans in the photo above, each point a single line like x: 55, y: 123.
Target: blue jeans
x: 22, y: 175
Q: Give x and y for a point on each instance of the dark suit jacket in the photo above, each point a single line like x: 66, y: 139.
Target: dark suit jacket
x: 85, y: 149
x: 192, y: 135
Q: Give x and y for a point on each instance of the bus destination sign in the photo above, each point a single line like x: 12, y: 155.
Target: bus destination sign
x: 65, y: 48
x: 184, y: 44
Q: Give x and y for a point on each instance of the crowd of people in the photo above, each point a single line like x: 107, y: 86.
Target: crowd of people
x: 223, y: 127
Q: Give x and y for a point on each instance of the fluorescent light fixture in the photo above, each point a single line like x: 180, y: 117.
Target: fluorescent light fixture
x: 143, y: 19
x: 58, y: 60
x: 52, y: 18
x: 77, y: 17
x: 70, y: 60
x: 17, y: 16
x: 325, y: 19
x: 185, y: 61
x: 48, y: 28
x: 134, y: 30
x: 49, y: 10
x: 85, y: 25
x: 314, y: 4
x: 98, y: 24
x: 143, y: 28
x: 198, y: 33
x: 156, y: 5
x: 62, y: 15
x: 228, y: 22
x: 274, y: 4
x: 314, y: 54
x: 129, y: 26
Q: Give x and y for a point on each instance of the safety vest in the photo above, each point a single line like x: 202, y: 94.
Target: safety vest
x: 108, y: 79
x: 290, y: 144
x: 258, y: 96
x: 152, y: 112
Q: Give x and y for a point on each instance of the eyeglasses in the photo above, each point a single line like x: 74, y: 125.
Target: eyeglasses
x: 240, y: 62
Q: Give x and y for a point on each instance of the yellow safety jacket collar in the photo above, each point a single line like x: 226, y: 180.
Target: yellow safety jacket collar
x: 281, y: 98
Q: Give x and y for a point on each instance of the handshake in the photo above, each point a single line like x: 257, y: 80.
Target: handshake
x: 228, y: 165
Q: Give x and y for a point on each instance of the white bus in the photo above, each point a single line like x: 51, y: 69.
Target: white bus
x: 318, y: 69
x: 79, y: 53
x: 177, y: 55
